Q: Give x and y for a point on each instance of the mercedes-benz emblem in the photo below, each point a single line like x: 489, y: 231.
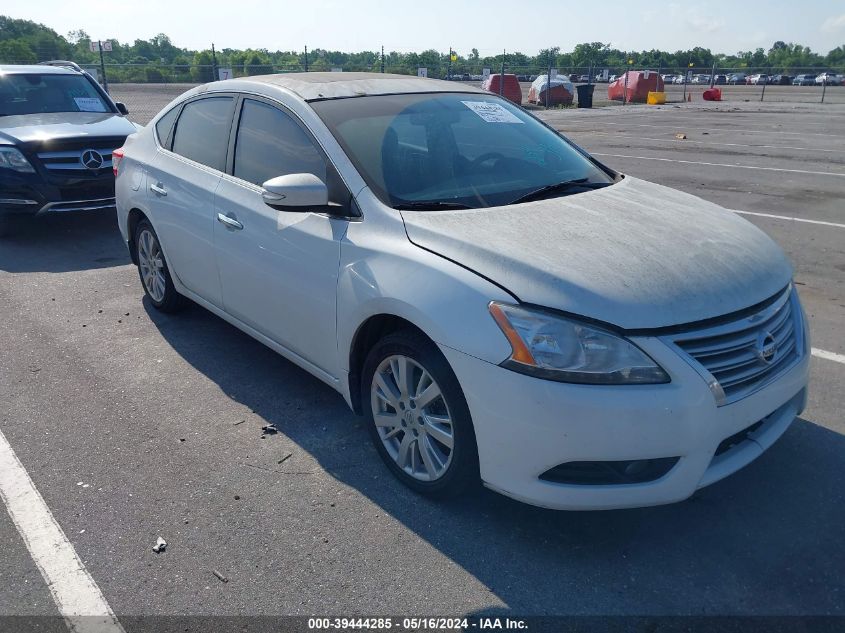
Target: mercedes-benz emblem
x: 767, y: 348
x: 92, y: 159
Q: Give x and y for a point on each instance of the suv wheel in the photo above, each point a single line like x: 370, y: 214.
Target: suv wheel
x: 152, y: 267
x: 418, y: 417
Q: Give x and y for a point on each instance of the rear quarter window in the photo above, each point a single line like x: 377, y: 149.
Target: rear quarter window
x: 165, y: 125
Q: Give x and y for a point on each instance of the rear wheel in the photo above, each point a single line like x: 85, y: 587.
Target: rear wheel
x: 419, y: 420
x: 152, y: 267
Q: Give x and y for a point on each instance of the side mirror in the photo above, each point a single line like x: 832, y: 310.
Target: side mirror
x: 296, y: 192
x: 121, y: 107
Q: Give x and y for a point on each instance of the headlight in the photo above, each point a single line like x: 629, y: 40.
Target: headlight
x: 11, y: 158
x: 556, y: 348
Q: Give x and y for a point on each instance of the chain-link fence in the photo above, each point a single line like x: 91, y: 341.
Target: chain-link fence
x: 146, y: 88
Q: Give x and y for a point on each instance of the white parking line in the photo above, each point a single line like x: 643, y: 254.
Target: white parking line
x: 696, y: 162
x: 75, y: 593
x: 836, y: 358
x: 790, y: 218
x: 672, y: 140
x: 724, y: 130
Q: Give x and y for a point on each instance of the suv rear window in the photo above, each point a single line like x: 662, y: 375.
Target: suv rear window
x: 33, y: 93
x: 202, y: 131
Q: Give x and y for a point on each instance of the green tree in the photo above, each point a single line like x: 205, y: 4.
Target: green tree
x: 16, y: 52
x: 201, y: 68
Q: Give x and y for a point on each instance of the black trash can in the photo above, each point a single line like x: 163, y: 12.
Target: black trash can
x: 585, y: 95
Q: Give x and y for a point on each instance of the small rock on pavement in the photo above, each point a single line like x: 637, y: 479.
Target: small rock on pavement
x: 160, y: 545
x: 269, y: 429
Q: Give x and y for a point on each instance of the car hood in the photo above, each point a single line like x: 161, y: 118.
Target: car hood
x: 35, y: 128
x: 636, y: 255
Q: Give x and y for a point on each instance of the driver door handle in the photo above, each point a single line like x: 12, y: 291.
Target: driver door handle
x: 230, y: 223
x: 159, y: 189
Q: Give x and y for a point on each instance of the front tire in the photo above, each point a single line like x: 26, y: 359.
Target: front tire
x: 153, y: 270
x: 418, y: 417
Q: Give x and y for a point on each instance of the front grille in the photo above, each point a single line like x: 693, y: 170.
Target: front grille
x: 101, y: 188
x: 66, y: 156
x: 741, y: 357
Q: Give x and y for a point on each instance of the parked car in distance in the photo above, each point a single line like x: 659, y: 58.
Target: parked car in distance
x: 720, y: 80
x: 58, y: 128
x: 780, y: 80
x: 679, y: 79
x: 584, y: 79
x: 735, y: 79
x: 612, y: 78
x: 758, y: 79
x: 804, y: 80
x: 829, y: 79
x: 508, y: 87
x: 497, y: 304
x: 700, y: 79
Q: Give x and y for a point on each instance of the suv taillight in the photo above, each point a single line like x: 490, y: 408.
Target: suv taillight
x: 116, y: 157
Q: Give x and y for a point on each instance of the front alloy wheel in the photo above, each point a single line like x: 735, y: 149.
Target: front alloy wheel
x: 419, y: 419
x: 412, y: 418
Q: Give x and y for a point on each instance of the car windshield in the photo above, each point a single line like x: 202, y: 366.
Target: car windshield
x: 438, y: 151
x: 32, y: 93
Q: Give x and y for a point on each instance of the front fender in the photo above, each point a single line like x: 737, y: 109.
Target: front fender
x: 383, y: 276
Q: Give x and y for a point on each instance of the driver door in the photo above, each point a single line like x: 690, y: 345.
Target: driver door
x: 278, y: 269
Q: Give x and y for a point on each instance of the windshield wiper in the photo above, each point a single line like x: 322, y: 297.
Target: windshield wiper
x: 560, y: 187
x: 430, y: 205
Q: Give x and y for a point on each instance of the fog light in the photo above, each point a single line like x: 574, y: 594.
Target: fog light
x: 606, y: 473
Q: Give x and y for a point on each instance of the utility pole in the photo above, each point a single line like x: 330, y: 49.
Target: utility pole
x: 449, y: 67
x: 501, y: 77
x: 382, y: 59
x: 213, y: 63
x: 625, y: 90
x: 549, y: 80
x: 713, y: 75
x: 103, y: 67
x: 306, y: 59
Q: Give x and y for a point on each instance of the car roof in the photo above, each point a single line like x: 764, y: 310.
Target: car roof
x: 40, y: 69
x: 317, y: 86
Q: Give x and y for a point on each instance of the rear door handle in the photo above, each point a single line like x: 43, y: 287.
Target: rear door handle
x: 230, y: 223
x: 159, y: 189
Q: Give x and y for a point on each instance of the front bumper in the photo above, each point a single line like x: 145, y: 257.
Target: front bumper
x: 525, y: 426
x: 37, y: 194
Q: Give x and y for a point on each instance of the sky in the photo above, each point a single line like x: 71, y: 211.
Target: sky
x: 724, y: 26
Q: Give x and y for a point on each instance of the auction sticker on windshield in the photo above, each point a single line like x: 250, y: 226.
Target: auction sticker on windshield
x: 491, y: 112
x: 89, y: 104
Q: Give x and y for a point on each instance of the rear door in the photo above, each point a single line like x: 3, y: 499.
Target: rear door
x: 279, y: 269
x: 182, y: 182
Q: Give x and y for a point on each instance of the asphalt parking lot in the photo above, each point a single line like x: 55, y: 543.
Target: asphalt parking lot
x: 133, y: 425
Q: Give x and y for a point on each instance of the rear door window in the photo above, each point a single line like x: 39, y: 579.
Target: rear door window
x: 202, y: 131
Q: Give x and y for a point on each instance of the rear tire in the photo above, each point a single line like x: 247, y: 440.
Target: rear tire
x: 427, y: 441
x: 153, y: 270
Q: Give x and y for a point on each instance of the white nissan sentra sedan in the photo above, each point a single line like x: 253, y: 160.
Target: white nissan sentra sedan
x: 497, y: 303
